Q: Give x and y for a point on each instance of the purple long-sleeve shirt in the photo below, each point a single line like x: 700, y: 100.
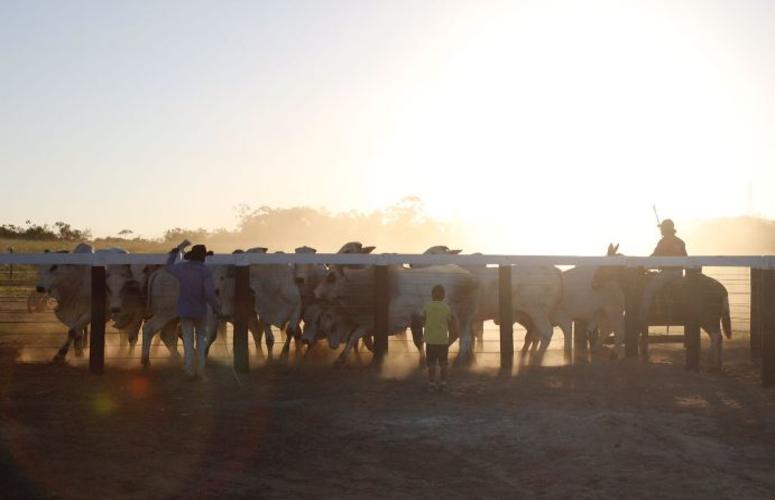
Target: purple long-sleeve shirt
x: 196, y: 287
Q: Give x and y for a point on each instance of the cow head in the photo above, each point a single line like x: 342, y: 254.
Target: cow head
x: 441, y: 250
x: 311, y: 318
x: 327, y: 289
x: 352, y: 247
x: 141, y: 272
x: 52, y: 278
x: 307, y: 276
x: 117, y: 277
x: 355, y: 247
x: 335, y: 326
x: 224, y: 282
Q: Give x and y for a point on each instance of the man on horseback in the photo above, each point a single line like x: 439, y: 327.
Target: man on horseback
x: 669, y: 246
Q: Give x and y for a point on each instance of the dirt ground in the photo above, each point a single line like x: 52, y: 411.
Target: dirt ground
x: 605, y: 429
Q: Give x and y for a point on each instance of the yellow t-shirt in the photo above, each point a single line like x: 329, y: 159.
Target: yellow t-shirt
x: 437, y: 315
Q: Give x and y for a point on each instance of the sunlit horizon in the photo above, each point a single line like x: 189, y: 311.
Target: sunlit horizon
x: 551, y: 127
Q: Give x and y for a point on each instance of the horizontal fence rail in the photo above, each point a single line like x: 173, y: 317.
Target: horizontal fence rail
x: 246, y: 259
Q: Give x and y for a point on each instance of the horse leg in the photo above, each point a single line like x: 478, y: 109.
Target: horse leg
x: 714, y: 332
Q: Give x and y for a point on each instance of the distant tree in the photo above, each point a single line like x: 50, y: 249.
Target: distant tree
x: 68, y: 233
x: 124, y: 233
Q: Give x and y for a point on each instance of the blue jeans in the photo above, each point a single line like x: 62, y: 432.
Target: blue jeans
x: 194, y: 328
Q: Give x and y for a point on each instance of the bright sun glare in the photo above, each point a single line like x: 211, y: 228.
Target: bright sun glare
x: 578, y: 119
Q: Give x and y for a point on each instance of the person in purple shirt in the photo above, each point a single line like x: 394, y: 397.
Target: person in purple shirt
x: 196, y: 293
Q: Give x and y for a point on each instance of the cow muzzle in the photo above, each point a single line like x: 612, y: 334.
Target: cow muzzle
x: 40, y: 289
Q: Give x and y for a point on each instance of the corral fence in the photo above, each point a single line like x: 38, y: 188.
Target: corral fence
x: 761, y: 280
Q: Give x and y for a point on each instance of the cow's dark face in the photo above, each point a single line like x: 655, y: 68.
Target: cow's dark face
x: 328, y: 326
x: 326, y: 289
x: 49, y: 276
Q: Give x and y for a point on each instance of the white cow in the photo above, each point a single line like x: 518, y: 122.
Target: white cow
x: 161, y: 310
x: 351, y: 291
x: 223, y: 282
x: 284, y: 294
x: 536, y: 293
x: 601, y: 308
x: 70, y: 286
x: 127, y: 300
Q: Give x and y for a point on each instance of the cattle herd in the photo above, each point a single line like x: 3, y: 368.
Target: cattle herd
x: 335, y: 303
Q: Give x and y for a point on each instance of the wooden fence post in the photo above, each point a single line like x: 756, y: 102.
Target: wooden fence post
x: 768, y: 328
x: 505, y: 318
x: 381, y: 313
x: 632, y: 298
x: 757, y: 281
x: 692, y: 326
x: 98, y: 320
x: 242, y: 309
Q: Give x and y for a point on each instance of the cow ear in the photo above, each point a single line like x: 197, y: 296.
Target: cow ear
x: 610, y: 250
x: 367, y: 249
x: 616, y: 249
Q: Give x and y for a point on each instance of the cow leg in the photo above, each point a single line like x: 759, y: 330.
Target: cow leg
x: 256, y: 330
x: 417, y: 337
x: 72, y: 335
x: 544, y: 330
x: 62, y: 352
x: 615, y: 319
x: 213, y: 326
x: 478, y: 331
x: 150, y: 328
x: 465, y: 355
x: 80, y: 341
x: 529, y: 336
x: 356, y: 335
x: 129, y: 334
x: 269, y: 339
x: 368, y: 341
x: 169, y: 336
x: 289, y: 334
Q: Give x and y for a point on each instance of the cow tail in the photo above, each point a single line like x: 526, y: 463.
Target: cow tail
x: 726, y: 321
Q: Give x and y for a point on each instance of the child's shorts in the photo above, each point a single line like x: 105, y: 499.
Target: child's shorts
x: 436, y: 353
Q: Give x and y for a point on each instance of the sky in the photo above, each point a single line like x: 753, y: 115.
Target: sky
x: 543, y: 121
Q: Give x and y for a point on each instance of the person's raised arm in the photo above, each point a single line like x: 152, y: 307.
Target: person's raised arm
x: 173, y: 255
